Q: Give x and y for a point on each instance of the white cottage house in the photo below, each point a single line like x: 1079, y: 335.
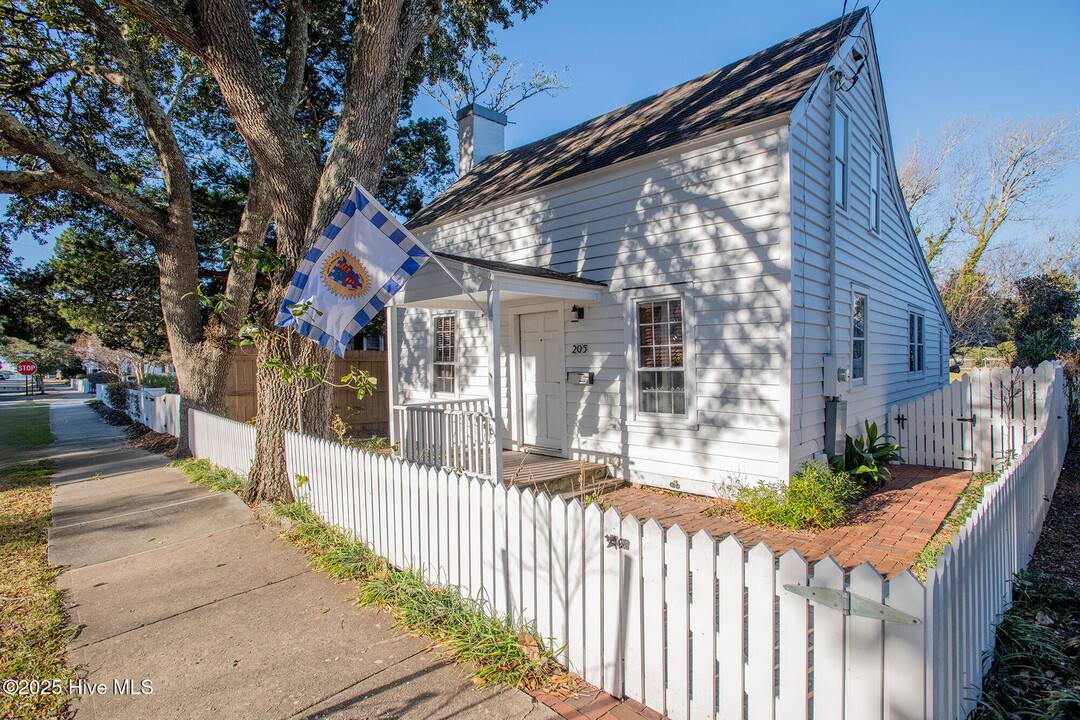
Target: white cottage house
x: 703, y: 287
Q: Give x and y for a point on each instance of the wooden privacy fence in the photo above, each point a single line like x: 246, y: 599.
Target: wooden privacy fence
x: 692, y: 627
x: 978, y: 422
x: 367, y: 415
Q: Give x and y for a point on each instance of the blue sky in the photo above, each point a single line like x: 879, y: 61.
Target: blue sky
x: 939, y: 60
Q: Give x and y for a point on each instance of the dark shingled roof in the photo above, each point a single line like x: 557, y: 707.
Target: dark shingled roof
x: 767, y: 83
x: 538, y: 272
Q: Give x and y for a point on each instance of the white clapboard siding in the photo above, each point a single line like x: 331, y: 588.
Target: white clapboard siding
x: 694, y: 628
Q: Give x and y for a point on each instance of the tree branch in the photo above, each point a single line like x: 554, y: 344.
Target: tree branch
x: 298, y: 16
x: 76, y: 175
x: 157, y: 127
x: 29, y: 182
x: 168, y: 19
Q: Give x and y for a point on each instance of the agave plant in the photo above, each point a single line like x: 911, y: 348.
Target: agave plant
x: 866, y: 457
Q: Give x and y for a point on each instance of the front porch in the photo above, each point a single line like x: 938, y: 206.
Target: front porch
x: 497, y: 327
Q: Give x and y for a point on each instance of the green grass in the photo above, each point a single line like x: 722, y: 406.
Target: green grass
x: 500, y: 651
x: 34, y: 631
x: 966, y: 503
x: 25, y: 426
x: 816, y: 497
x: 203, y: 472
x: 1035, y: 671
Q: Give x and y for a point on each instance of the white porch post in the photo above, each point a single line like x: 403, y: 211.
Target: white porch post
x: 392, y: 372
x: 495, y: 384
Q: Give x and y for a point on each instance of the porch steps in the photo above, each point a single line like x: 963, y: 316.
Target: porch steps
x: 556, y: 476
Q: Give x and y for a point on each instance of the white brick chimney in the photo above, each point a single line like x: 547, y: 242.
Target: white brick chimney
x: 481, y: 132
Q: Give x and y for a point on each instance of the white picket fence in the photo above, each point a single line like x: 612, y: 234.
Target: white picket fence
x: 224, y: 442
x: 691, y: 627
x: 82, y: 386
x: 977, y: 422
x: 972, y: 583
x: 154, y: 408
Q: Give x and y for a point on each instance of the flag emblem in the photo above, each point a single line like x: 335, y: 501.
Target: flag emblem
x: 362, y: 259
x: 345, y: 275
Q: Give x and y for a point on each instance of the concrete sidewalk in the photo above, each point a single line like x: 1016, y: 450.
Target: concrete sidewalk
x: 186, y: 590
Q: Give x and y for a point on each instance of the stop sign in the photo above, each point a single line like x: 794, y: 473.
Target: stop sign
x: 26, y: 368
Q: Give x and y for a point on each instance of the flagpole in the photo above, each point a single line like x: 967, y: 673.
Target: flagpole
x: 433, y: 256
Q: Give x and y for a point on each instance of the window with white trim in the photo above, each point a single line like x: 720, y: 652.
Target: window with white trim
x: 916, y: 342
x: 443, y: 365
x: 661, y: 374
x: 840, y: 157
x: 875, y: 188
x: 858, y: 336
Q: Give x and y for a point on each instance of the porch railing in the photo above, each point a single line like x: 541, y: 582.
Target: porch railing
x: 454, y: 434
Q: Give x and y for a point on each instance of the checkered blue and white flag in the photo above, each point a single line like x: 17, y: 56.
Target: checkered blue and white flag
x: 362, y: 259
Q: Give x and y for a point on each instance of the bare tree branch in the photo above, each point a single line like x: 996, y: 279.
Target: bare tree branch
x: 495, y: 84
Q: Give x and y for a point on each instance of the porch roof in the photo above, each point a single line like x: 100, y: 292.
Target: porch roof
x: 431, y: 288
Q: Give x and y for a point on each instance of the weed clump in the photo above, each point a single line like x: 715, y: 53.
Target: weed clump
x: 203, y: 472
x: 816, y: 497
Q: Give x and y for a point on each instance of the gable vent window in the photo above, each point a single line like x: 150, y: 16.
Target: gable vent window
x: 443, y: 364
x: 840, y: 157
x: 875, y: 189
x: 916, y: 343
x: 858, y: 337
x: 661, y: 372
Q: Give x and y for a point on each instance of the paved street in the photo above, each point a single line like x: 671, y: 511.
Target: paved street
x: 185, y: 589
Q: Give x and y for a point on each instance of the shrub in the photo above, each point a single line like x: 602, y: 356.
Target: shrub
x: 169, y: 382
x: 866, y: 458
x: 101, y: 378
x: 815, y: 497
x: 117, y: 393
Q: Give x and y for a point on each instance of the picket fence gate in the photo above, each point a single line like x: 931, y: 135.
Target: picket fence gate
x: 692, y: 627
x: 978, y: 422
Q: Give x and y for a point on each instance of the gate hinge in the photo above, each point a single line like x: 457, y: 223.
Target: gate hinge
x: 971, y: 419
x: 849, y: 603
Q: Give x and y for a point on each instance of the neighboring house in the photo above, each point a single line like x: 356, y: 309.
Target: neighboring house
x: 673, y: 288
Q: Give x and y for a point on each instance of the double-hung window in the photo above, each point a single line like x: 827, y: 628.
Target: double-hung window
x: 840, y: 157
x: 444, y: 360
x: 916, y: 342
x: 858, y: 336
x: 875, y: 188
x: 661, y: 374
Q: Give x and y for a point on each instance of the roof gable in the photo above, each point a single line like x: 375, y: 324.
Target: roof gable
x: 762, y: 85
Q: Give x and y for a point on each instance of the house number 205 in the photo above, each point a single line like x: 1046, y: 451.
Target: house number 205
x: 579, y: 349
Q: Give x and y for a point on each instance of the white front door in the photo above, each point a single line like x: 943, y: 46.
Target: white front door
x: 542, y: 404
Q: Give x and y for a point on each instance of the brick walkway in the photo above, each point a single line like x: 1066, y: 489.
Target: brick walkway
x: 888, y: 530
x: 596, y: 705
